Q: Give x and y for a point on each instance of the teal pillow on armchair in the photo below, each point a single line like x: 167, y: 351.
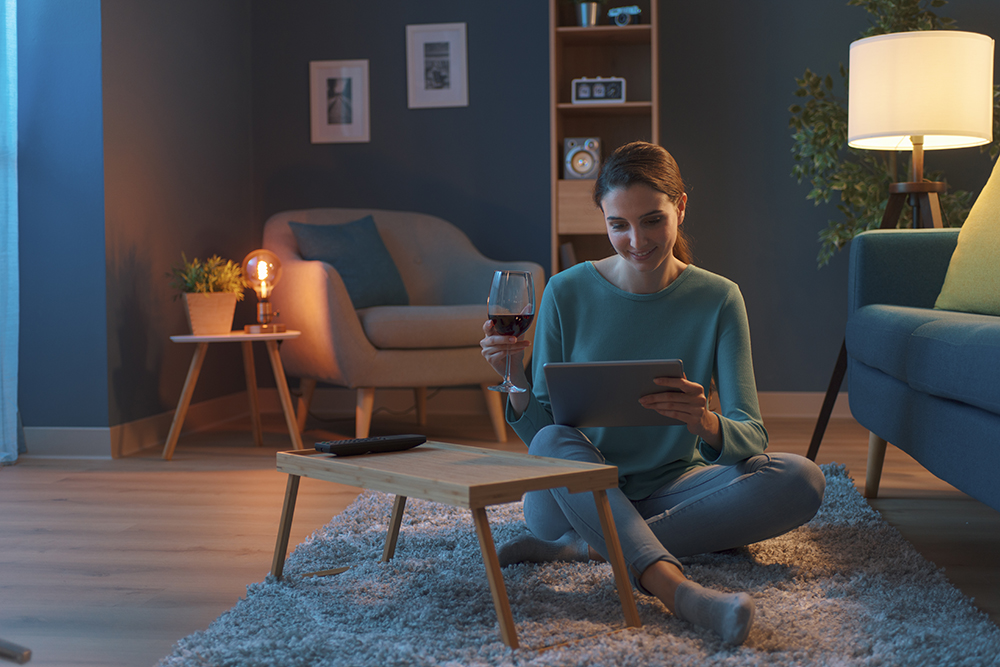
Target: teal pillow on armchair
x: 356, y: 250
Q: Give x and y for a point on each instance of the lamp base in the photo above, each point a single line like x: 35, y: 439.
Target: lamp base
x: 264, y: 328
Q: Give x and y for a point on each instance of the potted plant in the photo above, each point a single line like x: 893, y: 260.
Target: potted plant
x: 211, y: 290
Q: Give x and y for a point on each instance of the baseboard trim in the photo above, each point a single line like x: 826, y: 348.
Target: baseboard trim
x: 801, y: 404
x: 67, y: 442
x: 329, y: 402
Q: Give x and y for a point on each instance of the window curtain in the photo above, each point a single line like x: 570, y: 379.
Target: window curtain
x: 9, y: 285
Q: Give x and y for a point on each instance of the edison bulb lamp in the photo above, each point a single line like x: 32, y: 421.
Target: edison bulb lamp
x: 262, y: 270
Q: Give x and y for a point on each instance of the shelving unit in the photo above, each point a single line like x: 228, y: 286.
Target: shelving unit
x: 630, y: 52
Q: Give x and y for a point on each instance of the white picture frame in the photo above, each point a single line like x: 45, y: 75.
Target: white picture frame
x: 437, y: 65
x: 338, y: 101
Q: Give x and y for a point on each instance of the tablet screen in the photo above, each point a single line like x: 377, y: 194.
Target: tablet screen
x: 607, y: 393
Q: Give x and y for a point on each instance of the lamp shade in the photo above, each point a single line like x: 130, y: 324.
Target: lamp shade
x: 937, y: 84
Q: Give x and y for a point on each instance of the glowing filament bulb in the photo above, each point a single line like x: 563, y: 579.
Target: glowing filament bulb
x: 262, y: 270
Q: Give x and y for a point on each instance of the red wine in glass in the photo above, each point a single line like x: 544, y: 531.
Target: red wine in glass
x: 511, y: 306
x: 511, y: 325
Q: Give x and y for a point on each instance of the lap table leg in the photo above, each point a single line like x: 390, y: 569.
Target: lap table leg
x: 285, y: 526
x: 617, y: 560
x: 500, y: 601
x: 185, y: 402
x: 397, y: 518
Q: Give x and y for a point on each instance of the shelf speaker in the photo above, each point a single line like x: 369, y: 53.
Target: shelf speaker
x: 582, y: 157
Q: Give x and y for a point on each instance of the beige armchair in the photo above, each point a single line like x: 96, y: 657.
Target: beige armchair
x: 433, y: 342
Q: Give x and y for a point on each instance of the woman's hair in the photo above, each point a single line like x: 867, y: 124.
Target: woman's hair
x: 648, y: 164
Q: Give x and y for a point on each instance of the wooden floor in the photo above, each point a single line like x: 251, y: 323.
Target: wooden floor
x: 111, y: 562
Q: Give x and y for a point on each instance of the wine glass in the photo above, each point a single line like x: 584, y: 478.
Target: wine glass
x: 511, y: 306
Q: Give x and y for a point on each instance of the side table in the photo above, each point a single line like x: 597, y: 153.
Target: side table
x: 246, y: 340
x: 461, y: 476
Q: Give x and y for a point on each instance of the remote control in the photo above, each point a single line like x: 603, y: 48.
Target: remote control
x: 355, y: 446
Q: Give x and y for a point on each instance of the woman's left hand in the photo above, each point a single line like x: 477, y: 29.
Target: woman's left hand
x: 688, y: 403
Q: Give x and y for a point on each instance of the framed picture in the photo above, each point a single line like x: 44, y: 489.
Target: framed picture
x: 338, y: 101
x: 436, y: 66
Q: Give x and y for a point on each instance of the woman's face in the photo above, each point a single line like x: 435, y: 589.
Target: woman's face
x: 642, y: 225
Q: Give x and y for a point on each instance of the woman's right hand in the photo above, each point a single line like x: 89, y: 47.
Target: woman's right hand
x: 496, y: 348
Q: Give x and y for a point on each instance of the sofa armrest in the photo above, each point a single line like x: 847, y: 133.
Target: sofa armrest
x: 901, y: 267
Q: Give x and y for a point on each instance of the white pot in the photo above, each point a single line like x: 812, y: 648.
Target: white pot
x: 587, y: 14
x: 210, y: 314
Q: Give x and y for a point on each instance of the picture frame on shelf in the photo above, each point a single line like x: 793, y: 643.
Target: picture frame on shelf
x: 338, y: 101
x: 437, y: 65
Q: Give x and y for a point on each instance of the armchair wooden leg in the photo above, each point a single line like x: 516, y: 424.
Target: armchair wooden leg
x: 363, y: 411
x: 420, y: 399
x: 308, y: 387
x: 494, y: 405
x: 876, y: 457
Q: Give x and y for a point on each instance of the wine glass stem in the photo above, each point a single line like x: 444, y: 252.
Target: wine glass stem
x: 506, y: 376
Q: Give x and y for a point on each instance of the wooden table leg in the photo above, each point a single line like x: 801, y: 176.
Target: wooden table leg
x: 284, y: 394
x: 308, y: 388
x: 500, y: 601
x: 251, y: 375
x: 285, y: 526
x: 397, y: 518
x: 185, y: 402
x: 617, y: 560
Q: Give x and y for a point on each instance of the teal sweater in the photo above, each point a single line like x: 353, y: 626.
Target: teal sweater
x: 699, y: 318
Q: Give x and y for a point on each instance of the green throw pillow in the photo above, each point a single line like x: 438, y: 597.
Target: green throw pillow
x: 356, y: 250
x: 972, y: 283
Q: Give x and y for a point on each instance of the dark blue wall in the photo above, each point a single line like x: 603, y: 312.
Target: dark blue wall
x: 63, y: 336
x: 178, y: 156
x: 206, y: 132
x: 483, y: 167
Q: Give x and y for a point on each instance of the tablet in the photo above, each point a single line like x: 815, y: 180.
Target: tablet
x: 607, y: 393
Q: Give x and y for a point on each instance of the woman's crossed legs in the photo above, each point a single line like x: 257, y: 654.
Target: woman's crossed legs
x: 707, y: 509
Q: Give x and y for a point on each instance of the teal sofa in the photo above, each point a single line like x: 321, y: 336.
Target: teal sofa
x: 925, y: 380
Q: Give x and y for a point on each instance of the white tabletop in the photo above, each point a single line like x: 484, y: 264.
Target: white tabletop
x: 237, y: 336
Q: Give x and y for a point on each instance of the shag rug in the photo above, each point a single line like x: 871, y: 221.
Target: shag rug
x: 845, y: 589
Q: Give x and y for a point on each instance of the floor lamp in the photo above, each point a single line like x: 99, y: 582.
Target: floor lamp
x: 917, y: 91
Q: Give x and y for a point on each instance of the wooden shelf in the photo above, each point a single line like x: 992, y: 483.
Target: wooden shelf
x: 611, y: 109
x: 577, y: 213
x: 630, y: 52
x: 604, y: 34
x: 577, y: 226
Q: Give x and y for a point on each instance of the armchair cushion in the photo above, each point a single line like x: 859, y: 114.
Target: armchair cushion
x: 423, y: 327
x: 357, y: 252
x: 972, y: 283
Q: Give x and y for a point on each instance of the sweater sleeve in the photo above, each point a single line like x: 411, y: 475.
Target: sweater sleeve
x: 547, y: 347
x: 743, y: 433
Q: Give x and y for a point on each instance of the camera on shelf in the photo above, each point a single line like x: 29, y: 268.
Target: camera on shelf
x: 625, y: 15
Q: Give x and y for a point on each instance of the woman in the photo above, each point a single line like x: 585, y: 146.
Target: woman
x: 702, y: 489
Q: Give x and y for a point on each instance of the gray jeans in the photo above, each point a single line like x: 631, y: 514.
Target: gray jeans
x: 705, y: 510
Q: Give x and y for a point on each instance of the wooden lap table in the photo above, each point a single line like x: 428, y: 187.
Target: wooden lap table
x: 461, y: 476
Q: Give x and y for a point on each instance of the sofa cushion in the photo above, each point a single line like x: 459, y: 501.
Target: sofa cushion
x: 357, y: 252
x: 419, y: 327
x: 972, y: 283
x: 957, y: 357
x: 878, y: 335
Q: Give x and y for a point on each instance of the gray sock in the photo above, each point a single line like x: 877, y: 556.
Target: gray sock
x: 530, y: 549
x: 729, y: 615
